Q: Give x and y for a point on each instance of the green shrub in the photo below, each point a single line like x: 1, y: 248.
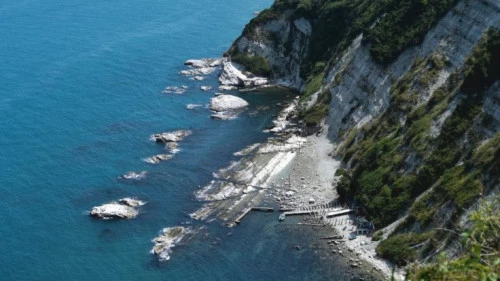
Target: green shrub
x: 398, y: 248
x: 254, y: 64
x: 405, y: 24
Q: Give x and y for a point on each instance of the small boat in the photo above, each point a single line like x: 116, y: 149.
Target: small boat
x: 282, y: 217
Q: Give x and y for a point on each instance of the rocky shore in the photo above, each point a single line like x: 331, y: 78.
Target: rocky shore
x: 290, y: 172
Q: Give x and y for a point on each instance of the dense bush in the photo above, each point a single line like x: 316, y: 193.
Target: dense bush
x: 405, y: 24
x: 254, y: 64
x: 480, y: 258
x: 400, y: 248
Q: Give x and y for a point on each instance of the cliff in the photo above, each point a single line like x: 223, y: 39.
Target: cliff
x: 410, y: 93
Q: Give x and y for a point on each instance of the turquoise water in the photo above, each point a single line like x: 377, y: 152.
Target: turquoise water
x: 80, y: 93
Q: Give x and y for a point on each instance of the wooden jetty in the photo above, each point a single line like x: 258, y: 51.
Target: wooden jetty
x: 301, y: 212
x: 248, y: 210
x: 339, y: 213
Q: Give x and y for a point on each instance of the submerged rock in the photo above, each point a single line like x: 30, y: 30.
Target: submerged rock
x: 125, y: 208
x: 175, y: 90
x: 175, y: 136
x: 227, y: 102
x: 134, y: 175
x: 168, y: 238
x: 155, y: 159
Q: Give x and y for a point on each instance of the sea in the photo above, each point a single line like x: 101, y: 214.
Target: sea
x: 80, y: 94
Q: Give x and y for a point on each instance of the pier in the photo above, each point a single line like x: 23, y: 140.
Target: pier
x: 248, y: 210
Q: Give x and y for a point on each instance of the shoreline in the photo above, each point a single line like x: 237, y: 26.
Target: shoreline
x: 288, y: 172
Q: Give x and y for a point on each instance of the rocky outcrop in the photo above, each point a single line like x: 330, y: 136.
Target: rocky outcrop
x: 201, y: 67
x: 227, y: 103
x: 361, y: 89
x: 234, y: 75
x: 126, y: 208
x: 175, y: 90
x: 284, y: 43
x: 168, y: 238
x: 156, y: 159
x: 175, y: 136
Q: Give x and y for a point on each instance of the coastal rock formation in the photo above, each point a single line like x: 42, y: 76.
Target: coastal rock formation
x: 201, y: 67
x: 227, y: 103
x: 175, y: 136
x: 234, y: 75
x: 155, y: 159
x: 409, y: 93
x: 168, y: 238
x: 126, y: 208
x: 202, y: 63
x: 175, y: 90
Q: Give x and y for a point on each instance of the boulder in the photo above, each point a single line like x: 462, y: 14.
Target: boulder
x: 168, y: 238
x: 125, y: 208
x: 174, y: 136
x: 227, y: 102
x: 131, y: 202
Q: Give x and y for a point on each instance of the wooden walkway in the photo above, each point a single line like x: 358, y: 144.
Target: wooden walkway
x: 319, y: 212
x: 248, y: 210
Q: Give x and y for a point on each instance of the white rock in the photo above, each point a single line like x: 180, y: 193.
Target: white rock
x: 134, y: 175
x: 227, y: 102
x: 174, y: 136
x: 206, y: 88
x: 126, y: 208
x: 131, y: 202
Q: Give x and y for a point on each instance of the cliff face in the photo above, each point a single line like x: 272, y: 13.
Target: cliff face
x: 283, y: 42
x: 418, y: 131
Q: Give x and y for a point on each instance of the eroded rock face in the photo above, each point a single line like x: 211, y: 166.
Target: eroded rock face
x: 125, y: 208
x: 227, y: 102
x: 168, y: 238
x: 233, y: 75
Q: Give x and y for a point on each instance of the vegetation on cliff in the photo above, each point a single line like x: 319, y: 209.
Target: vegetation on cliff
x: 454, y: 168
x: 480, y: 258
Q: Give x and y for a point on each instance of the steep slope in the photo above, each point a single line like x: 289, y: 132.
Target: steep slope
x: 413, y: 100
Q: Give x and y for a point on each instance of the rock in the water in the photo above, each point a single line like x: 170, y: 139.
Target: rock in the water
x: 223, y: 116
x: 227, y: 102
x: 131, y: 202
x: 206, y: 88
x: 125, y: 208
x: 198, y: 71
x: 167, y: 240
x: 201, y: 63
x: 175, y: 90
x: 155, y: 159
x: 134, y: 175
x: 227, y: 88
x: 175, y: 136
